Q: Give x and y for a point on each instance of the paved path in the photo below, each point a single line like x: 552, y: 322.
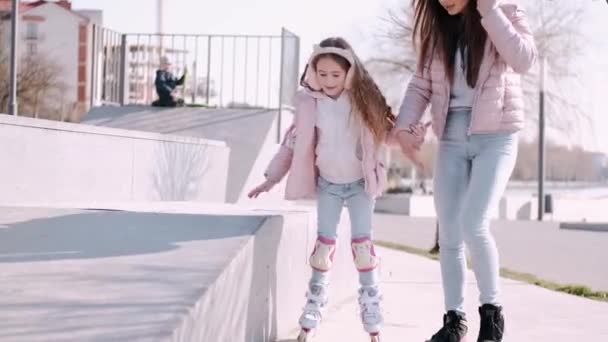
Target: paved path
x: 560, y: 255
x: 413, y: 304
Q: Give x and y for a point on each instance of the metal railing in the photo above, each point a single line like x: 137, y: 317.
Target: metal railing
x: 229, y: 71
x: 107, y: 75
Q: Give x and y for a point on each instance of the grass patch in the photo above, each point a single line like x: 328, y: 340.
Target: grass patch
x: 577, y: 290
x: 198, y: 105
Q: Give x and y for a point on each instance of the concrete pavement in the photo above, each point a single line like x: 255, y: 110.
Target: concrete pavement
x: 413, y: 305
x: 186, y: 272
x: 539, y: 248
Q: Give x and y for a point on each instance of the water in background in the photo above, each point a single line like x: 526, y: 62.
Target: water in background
x: 562, y: 190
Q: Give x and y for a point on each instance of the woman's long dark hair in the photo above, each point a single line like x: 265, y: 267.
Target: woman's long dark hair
x: 436, y: 31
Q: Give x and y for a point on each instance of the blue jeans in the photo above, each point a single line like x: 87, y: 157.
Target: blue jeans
x: 471, y: 174
x: 332, y: 198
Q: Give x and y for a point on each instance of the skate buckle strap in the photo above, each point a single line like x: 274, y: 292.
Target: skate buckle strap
x: 312, y: 308
x: 315, y: 298
x: 370, y: 305
x: 365, y: 298
x: 371, y: 315
x: 370, y: 300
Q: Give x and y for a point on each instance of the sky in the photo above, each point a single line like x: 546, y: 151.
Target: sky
x: 356, y: 20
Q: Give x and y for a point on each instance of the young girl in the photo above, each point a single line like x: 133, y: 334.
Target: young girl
x: 332, y: 153
x: 471, y: 54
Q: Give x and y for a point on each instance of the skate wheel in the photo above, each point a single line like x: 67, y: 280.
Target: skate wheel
x: 303, y: 336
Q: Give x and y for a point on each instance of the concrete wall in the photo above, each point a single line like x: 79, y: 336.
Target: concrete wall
x: 569, y: 209
x: 45, y: 161
x: 406, y: 204
x: 250, y: 134
x: 260, y: 295
x: 256, y: 174
x: 172, y: 271
x: 509, y: 208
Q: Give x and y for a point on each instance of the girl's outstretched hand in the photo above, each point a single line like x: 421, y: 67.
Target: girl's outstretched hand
x: 264, y: 187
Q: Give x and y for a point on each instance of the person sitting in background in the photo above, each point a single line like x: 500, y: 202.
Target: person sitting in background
x: 165, y: 84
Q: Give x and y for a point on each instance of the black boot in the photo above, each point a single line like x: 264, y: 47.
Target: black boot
x: 454, y: 328
x: 492, y: 324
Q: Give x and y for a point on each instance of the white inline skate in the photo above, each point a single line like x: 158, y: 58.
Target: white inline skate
x: 312, y: 314
x: 371, y: 314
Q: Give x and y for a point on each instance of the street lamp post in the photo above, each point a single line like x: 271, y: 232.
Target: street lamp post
x: 541, y: 141
x: 541, y: 121
x: 12, y: 104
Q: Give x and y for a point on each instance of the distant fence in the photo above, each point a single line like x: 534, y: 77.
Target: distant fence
x: 234, y: 71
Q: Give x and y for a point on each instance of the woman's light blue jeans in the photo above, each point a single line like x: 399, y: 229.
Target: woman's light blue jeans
x: 471, y: 174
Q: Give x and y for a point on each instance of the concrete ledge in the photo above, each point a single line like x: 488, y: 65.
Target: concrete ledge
x: 56, y: 161
x: 249, y: 133
x: 20, y: 121
x: 406, y: 204
x: 126, y: 276
x: 520, y: 208
x: 510, y: 208
x: 585, y: 226
x: 179, y: 272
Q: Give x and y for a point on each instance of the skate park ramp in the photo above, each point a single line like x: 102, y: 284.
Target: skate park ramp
x: 249, y: 133
x: 51, y: 161
x: 153, y: 272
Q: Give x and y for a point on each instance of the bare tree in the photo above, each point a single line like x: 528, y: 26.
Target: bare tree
x: 397, y: 54
x: 395, y: 59
x: 564, y: 164
x: 39, y: 86
x: 558, y: 37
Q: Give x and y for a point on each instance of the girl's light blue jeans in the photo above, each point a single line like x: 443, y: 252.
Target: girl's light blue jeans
x: 332, y: 198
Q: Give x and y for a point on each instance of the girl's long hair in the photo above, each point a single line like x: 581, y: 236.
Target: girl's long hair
x: 365, y: 95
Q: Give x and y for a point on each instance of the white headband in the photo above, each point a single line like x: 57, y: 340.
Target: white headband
x: 311, y: 77
x: 319, y: 50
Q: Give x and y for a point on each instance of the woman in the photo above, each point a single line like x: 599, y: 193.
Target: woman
x: 472, y: 53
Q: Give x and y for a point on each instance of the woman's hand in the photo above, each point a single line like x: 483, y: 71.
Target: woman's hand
x: 411, y: 141
x: 485, y: 6
x: 264, y: 187
x: 417, y: 133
